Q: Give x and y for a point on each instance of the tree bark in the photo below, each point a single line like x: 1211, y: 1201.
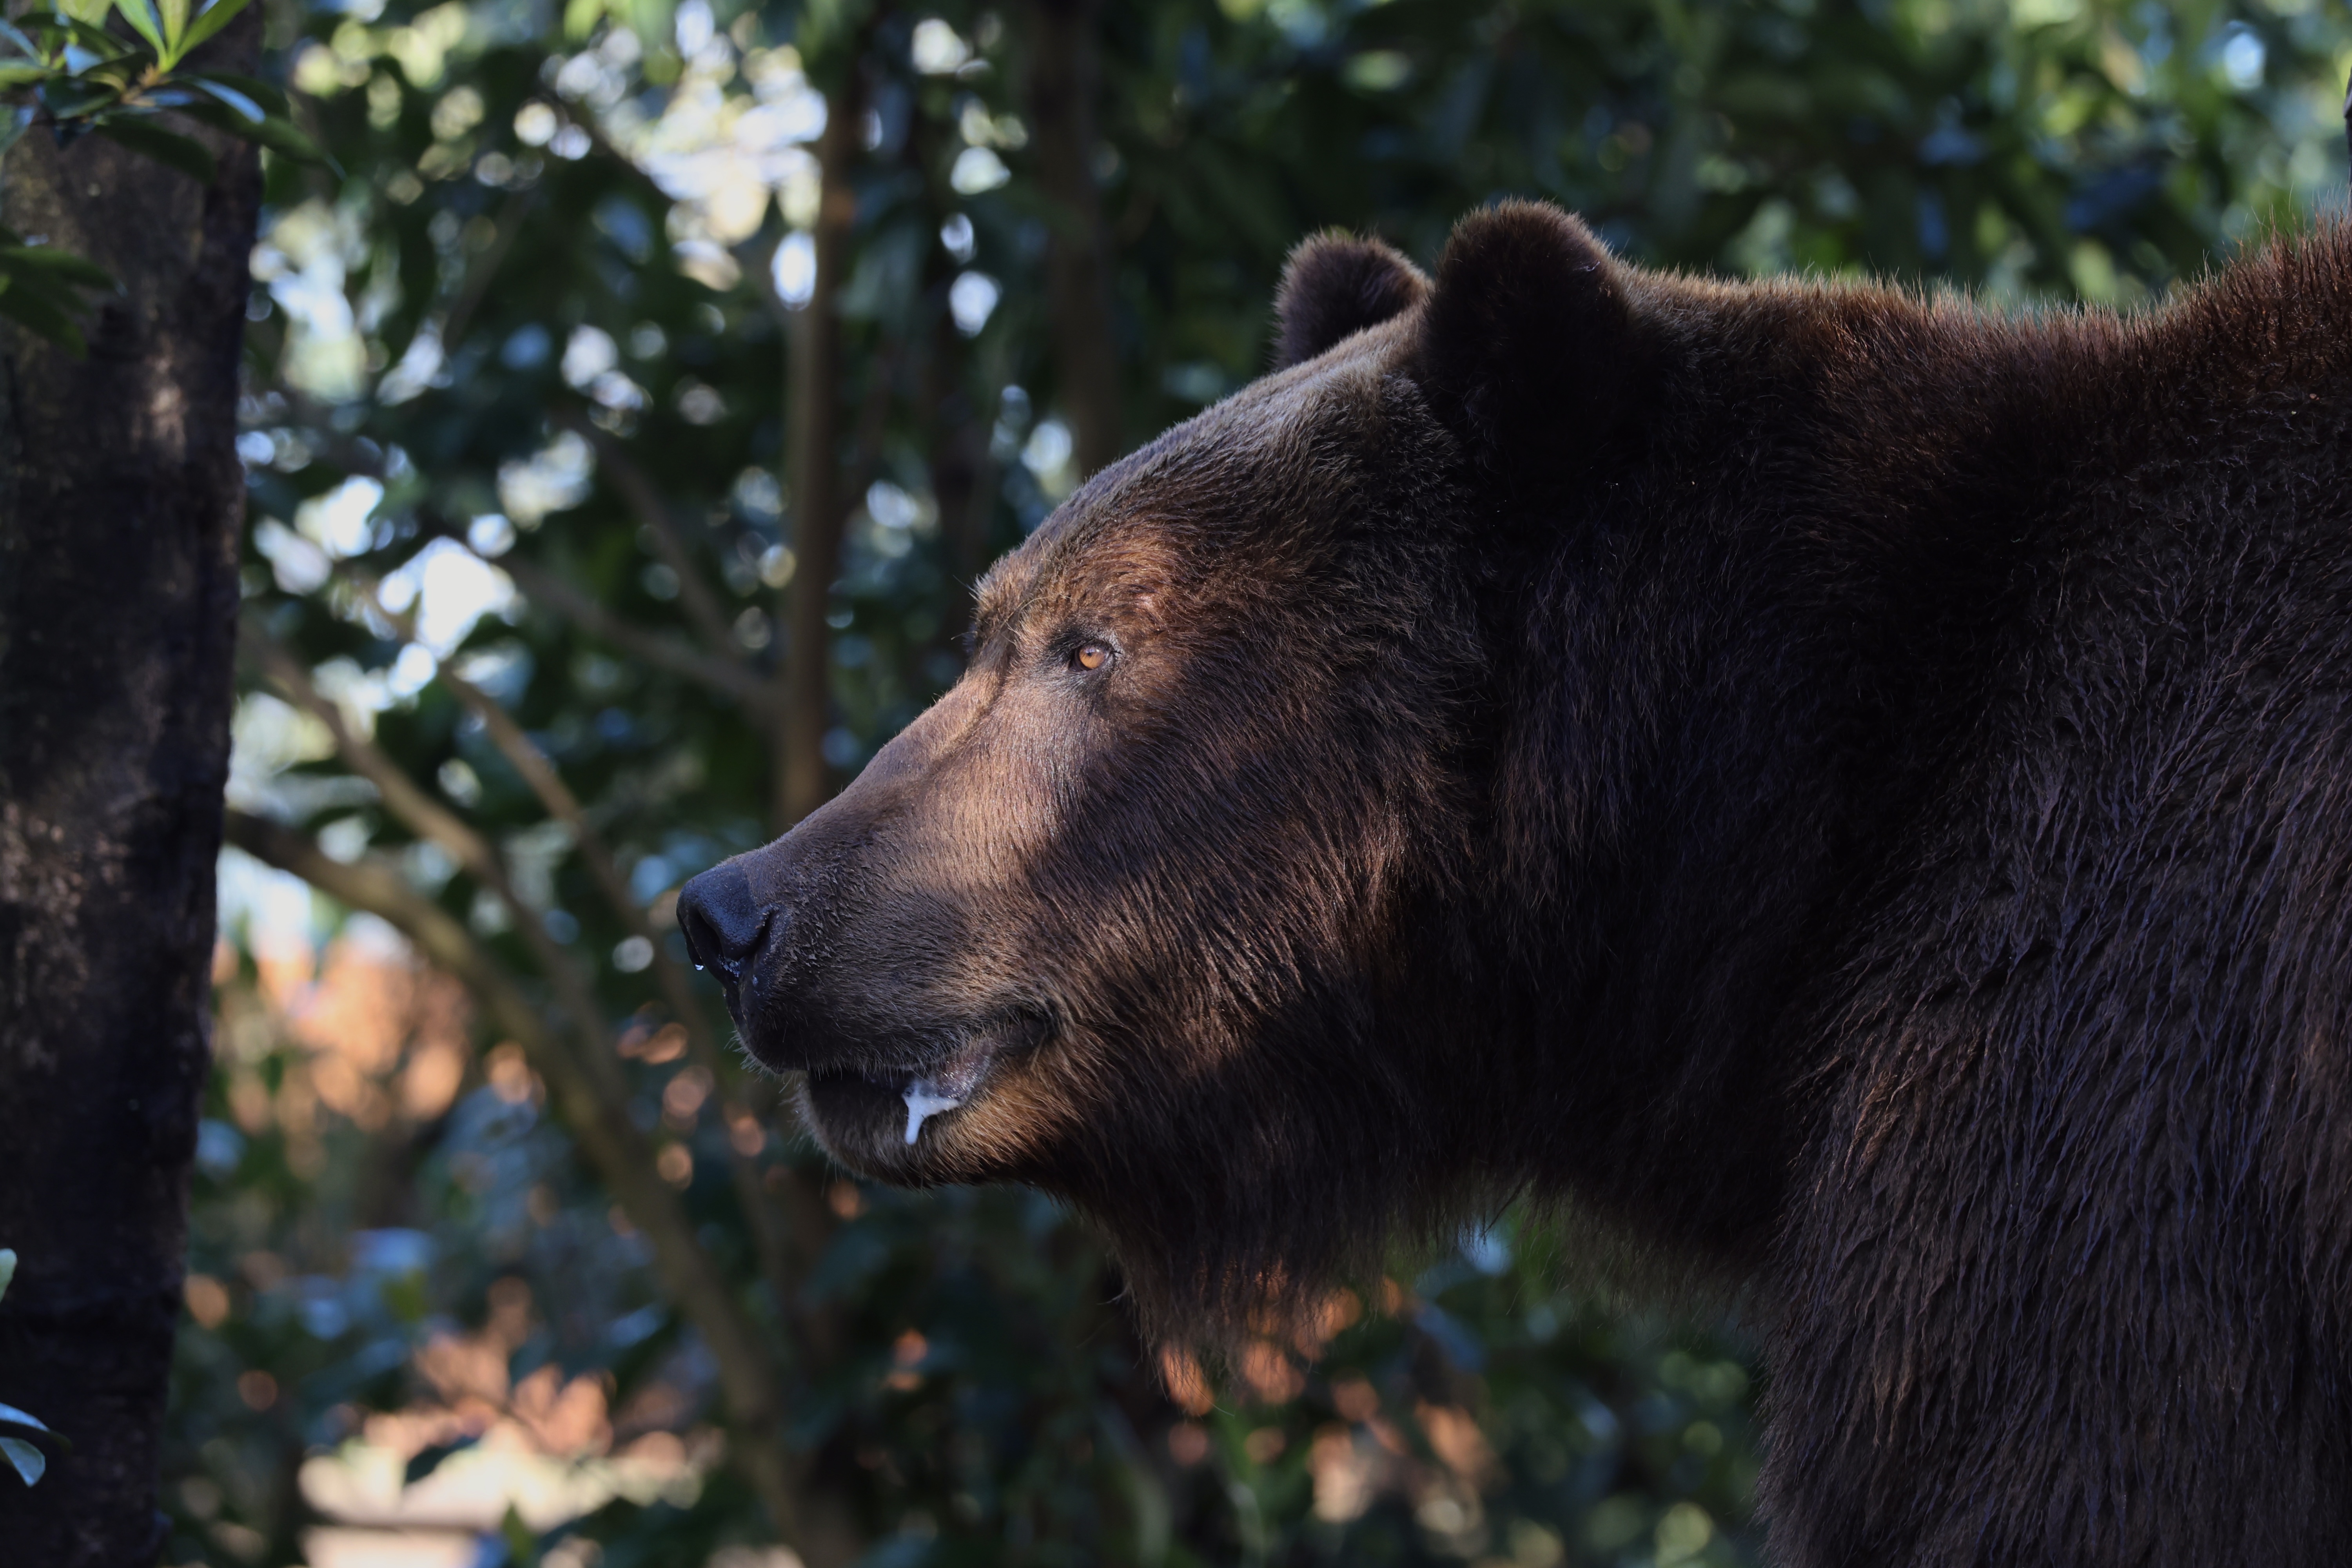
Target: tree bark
x: 813, y: 458
x: 1063, y: 78
x: 121, y: 497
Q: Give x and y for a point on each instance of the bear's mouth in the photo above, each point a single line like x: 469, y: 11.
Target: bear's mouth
x: 865, y: 1096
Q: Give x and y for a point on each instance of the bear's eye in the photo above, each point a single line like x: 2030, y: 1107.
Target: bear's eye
x: 1091, y: 656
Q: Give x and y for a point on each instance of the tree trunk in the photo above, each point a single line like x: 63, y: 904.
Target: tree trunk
x: 1062, y: 82
x: 813, y: 459
x: 121, y: 497
x: 956, y: 433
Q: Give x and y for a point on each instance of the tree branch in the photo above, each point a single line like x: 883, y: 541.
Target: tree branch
x: 737, y: 682
x: 475, y: 287
x: 694, y: 591
x: 597, y: 1118
x: 597, y: 1092
x: 524, y: 755
x: 539, y: 771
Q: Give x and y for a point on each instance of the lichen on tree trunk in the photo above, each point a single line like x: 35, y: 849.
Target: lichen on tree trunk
x: 121, y: 497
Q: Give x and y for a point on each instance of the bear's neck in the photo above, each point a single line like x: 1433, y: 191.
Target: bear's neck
x: 1734, y: 669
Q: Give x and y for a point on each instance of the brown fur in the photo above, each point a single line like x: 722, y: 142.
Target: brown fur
x: 1856, y: 792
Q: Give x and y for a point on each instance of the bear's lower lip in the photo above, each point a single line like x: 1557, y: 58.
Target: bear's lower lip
x: 855, y: 1105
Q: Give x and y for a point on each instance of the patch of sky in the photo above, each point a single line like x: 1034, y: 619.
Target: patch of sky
x: 411, y: 671
x: 895, y: 507
x: 976, y: 170
x: 589, y: 354
x: 1487, y: 1249
x: 341, y: 522
x: 526, y: 347
x: 391, y: 1252
x: 260, y: 902
x: 299, y: 565
x: 554, y: 479
x: 694, y: 28
x: 219, y: 1147
x: 2242, y: 56
x: 972, y: 300
x: 420, y: 366
x: 490, y: 535
x: 1195, y: 382
x: 956, y: 235
x: 758, y: 496
x: 1047, y: 454
x: 448, y: 588
x: 936, y: 48
x: 794, y: 271
x: 503, y: 672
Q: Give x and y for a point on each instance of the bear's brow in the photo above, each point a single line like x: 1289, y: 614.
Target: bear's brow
x: 995, y: 600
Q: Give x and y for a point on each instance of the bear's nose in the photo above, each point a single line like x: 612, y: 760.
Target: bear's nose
x: 724, y: 925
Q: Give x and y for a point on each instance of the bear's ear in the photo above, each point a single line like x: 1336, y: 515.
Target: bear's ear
x: 1336, y: 285
x: 1528, y: 343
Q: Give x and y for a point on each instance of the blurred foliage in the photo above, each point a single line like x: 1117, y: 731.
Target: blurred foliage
x: 25, y: 1459
x: 516, y: 432
x: 62, y: 70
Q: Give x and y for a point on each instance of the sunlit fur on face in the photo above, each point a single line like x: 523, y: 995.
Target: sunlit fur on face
x: 1167, y: 896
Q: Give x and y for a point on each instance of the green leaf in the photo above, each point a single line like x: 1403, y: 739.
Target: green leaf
x: 38, y: 310
x: 144, y: 22
x: 96, y: 40
x: 54, y: 28
x: 16, y: 73
x: 282, y: 136
x: 522, y: 1546
x: 168, y: 148
x: 272, y: 101
x: 211, y: 20
x: 16, y: 1417
x: 206, y: 109
x: 90, y: 12
x: 69, y: 98
x: 230, y: 95
x: 174, y: 16
x: 7, y: 1254
x: 61, y: 265
x: 273, y: 131
x: 30, y: 1462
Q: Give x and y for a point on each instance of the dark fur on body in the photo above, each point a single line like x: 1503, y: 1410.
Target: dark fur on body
x: 1852, y: 790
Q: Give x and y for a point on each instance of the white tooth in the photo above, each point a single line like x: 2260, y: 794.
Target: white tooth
x: 924, y: 1101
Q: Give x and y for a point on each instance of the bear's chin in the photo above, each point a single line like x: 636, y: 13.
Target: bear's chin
x: 859, y: 1122
x: 894, y: 1107
x: 907, y: 1125
x: 863, y: 1122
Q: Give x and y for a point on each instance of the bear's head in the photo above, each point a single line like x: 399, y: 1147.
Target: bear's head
x: 1156, y: 910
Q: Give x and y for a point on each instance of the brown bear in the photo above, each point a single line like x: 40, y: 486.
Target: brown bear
x: 1851, y: 789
